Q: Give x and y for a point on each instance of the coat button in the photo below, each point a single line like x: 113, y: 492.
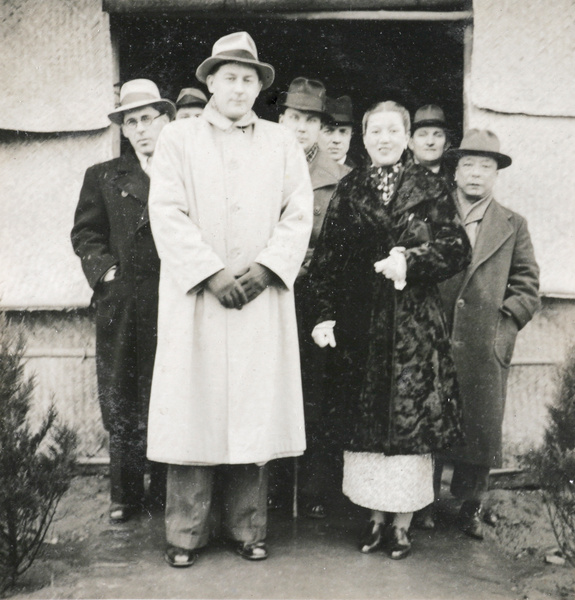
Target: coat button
x: 317, y: 210
x: 460, y: 303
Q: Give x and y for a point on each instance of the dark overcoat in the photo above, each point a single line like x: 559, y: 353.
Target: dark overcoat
x: 111, y: 227
x: 486, y: 305
x: 325, y: 174
x: 392, y: 380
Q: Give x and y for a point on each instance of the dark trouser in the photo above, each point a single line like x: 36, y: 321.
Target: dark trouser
x: 243, y: 501
x: 321, y: 468
x: 128, y: 466
x: 469, y: 481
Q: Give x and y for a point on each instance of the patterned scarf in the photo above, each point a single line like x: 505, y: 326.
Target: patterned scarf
x: 385, y: 179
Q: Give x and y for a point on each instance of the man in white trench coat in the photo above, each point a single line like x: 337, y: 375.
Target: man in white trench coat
x: 231, y: 213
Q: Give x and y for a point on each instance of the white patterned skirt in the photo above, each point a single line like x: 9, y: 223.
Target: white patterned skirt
x: 402, y: 483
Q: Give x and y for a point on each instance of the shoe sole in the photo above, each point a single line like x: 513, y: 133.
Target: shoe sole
x: 401, y: 556
x: 184, y: 565
x: 251, y: 557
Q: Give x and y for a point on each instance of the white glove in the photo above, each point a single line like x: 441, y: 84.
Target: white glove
x: 322, y: 334
x: 394, y: 267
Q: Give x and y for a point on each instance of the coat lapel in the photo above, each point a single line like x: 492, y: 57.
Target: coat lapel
x: 494, y: 231
x: 324, y: 171
x: 131, y: 179
x: 133, y: 184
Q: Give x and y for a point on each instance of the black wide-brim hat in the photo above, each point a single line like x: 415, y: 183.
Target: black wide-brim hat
x: 236, y: 47
x: 480, y: 142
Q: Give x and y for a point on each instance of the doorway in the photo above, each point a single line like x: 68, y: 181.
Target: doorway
x: 414, y: 63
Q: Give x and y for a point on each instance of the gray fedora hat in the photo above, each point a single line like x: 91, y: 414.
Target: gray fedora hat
x: 191, y: 97
x: 306, y: 94
x: 480, y: 142
x: 138, y: 93
x: 429, y: 115
x: 236, y: 47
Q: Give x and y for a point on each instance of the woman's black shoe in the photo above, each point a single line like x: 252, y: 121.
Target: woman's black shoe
x: 372, y: 538
x: 401, y: 544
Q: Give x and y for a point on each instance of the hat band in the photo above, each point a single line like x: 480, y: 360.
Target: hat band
x: 241, y: 54
x: 303, y: 101
x: 138, y: 97
x: 190, y: 100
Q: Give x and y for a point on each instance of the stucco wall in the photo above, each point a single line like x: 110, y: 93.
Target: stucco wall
x: 520, y: 85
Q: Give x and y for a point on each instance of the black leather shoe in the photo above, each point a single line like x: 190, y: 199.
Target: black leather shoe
x: 120, y: 514
x: 401, y: 544
x: 372, y: 538
x: 179, y: 558
x: 315, y: 510
x: 490, y: 518
x: 252, y: 551
x: 470, y: 520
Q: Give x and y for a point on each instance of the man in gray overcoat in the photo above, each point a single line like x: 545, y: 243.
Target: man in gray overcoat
x: 113, y: 239
x: 486, y: 305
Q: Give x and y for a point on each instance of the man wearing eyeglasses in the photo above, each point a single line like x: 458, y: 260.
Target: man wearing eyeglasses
x: 113, y: 239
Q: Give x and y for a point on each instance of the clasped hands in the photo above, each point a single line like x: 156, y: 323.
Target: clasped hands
x: 233, y: 291
x: 394, y: 267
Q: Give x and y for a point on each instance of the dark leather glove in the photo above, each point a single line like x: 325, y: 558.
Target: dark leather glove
x: 255, y: 280
x: 227, y: 289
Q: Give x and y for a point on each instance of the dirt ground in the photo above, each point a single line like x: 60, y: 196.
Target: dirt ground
x: 85, y: 557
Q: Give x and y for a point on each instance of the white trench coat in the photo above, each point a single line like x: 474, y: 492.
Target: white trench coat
x: 227, y: 384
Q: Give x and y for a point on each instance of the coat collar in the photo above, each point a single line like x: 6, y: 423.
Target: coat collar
x: 324, y: 171
x: 414, y: 178
x: 494, y: 231
x: 217, y: 119
x: 130, y: 179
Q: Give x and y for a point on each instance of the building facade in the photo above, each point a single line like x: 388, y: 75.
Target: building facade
x: 501, y: 64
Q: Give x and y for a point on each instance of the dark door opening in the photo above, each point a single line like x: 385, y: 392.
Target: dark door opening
x: 414, y: 63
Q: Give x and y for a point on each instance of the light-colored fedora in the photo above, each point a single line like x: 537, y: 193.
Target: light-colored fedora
x: 138, y: 93
x: 306, y: 94
x: 429, y: 115
x: 236, y: 47
x: 480, y: 142
x: 191, y: 97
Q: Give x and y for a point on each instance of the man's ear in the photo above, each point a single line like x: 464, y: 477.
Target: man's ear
x: 447, y: 145
x: 410, y: 144
x: 209, y: 82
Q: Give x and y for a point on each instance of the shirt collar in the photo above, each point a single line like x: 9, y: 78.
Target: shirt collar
x: 216, y: 118
x: 143, y: 158
x: 472, y: 211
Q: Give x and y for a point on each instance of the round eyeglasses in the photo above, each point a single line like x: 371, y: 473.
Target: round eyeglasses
x: 146, y: 120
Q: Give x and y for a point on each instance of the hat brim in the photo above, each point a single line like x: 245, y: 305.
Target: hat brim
x: 266, y: 71
x: 117, y: 115
x: 302, y: 102
x: 502, y: 160
x: 429, y: 123
x: 339, y: 121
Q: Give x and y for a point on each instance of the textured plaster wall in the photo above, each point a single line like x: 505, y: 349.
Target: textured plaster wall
x: 520, y: 85
x: 41, y: 178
